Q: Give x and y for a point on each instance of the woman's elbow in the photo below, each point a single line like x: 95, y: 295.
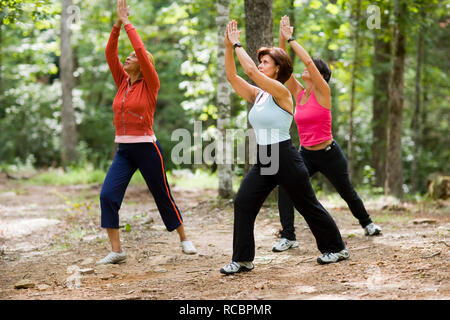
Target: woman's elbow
x: 251, y: 71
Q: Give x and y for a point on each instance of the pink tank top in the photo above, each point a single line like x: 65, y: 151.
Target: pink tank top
x: 313, y: 121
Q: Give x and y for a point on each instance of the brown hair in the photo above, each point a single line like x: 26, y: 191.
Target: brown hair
x: 281, y: 59
x: 150, y: 57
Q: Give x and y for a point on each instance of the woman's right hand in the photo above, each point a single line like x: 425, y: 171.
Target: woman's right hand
x: 286, y: 30
x: 232, y: 32
x: 123, y: 11
x: 228, y: 43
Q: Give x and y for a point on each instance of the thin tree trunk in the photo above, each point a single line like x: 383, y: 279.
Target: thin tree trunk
x: 258, y: 33
x: 223, y: 104
x: 380, y: 111
x: 293, y: 129
x: 68, y: 137
x: 394, y: 166
x: 416, y: 129
x: 1, y: 64
x: 354, y: 75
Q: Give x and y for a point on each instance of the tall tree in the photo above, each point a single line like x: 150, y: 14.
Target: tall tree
x: 293, y: 129
x: 69, y: 135
x: 381, y: 74
x: 394, y: 166
x: 258, y: 33
x: 223, y: 104
x: 356, y: 46
x: 415, y: 123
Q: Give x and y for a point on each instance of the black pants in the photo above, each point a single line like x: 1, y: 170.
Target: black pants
x: 333, y: 165
x: 293, y: 176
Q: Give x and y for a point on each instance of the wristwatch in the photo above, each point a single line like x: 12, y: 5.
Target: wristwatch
x: 291, y: 39
x: 237, y: 44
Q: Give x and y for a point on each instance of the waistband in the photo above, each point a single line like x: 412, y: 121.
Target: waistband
x: 281, y: 144
x: 327, y: 148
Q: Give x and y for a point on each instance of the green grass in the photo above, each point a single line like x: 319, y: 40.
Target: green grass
x: 73, y: 176
x: 200, y: 179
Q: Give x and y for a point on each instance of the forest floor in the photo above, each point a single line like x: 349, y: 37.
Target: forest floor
x: 50, y: 238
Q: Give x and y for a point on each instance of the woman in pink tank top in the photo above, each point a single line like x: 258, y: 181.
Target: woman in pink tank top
x: 318, y: 149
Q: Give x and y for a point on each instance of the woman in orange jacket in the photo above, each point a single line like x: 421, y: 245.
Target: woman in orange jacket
x: 134, y: 106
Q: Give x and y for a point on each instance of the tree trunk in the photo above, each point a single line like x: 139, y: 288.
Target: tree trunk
x: 258, y: 33
x: 224, y: 165
x: 354, y: 74
x: 68, y: 137
x: 417, y: 110
x: 394, y: 166
x: 380, y: 111
x: 2, y: 107
x: 293, y: 131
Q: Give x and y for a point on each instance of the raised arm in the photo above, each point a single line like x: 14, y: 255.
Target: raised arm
x: 294, y: 86
x: 316, y: 76
x: 112, y: 54
x: 242, y: 87
x: 272, y: 86
x: 147, y: 69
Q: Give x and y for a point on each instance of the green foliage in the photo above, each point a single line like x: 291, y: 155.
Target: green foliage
x: 182, y: 36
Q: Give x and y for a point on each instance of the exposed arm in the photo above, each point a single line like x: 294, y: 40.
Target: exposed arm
x: 294, y: 86
x: 242, y: 87
x: 272, y: 86
x: 316, y: 77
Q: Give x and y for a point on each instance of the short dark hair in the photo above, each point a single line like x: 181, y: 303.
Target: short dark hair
x: 323, y: 68
x: 281, y: 59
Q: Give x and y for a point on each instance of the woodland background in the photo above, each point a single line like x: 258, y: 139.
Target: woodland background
x: 390, y: 85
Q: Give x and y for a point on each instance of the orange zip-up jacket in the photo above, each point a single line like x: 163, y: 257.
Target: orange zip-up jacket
x: 134, y: 105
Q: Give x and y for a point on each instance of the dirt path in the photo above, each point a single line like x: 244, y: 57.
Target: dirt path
x: 50, y: 236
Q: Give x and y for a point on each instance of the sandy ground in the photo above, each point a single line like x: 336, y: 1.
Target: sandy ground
x: 50, y: 237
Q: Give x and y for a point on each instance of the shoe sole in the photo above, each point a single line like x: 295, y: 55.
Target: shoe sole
x: 241, y: 269
x: 118, y: 262
x: 323, y: 262
x: 376, y: 233
x: 291, y: 247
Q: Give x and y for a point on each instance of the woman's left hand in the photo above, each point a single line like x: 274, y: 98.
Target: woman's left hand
x: 233, y: 32
x: 123, y: 11
x: 286, y: 30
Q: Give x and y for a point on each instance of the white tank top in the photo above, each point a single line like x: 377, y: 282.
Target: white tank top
x: 270, y: 122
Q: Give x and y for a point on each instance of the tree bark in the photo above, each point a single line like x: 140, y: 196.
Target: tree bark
x: 394, y: 166
x: 224, y: 165
x: 258, y: 33
x: 380, y: 111
x: 68, y: 135
x: 353, y: 88
x: 293, y: 129
x: 416, y: 128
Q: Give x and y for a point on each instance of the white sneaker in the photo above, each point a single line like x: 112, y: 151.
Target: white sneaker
x: 372, y: 230
x: 188, y: 247
x: 235, y: 267
x: 284, y: 244
x: 113, y: 257
x: 331, y: 257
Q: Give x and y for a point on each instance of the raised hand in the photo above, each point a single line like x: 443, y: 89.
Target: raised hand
x: 232, y: 32
x: 227, y: 40
x: 123, y: 11
x: 286, y: 30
